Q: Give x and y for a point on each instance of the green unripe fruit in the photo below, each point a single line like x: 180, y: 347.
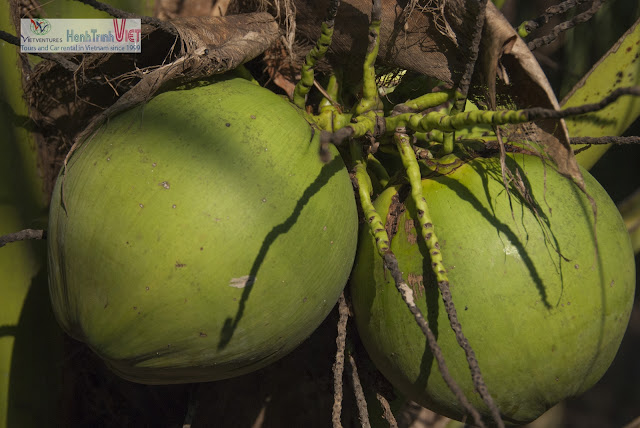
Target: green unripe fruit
x: 199, y: 236
x: 544, y: 312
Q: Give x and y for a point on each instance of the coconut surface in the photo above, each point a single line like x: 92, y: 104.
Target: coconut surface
x: 543, y: 300
x: 199, y: 236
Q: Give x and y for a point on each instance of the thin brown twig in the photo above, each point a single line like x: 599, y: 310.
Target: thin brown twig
x: 363, y: 412
x: 591, y: 141
x: 436, y: 9
x: 472, y: 55
x: 391, y: 263
x: 387, y: 414
x: 472, y: 361
x: 403, y: 141
x: 60, y: 60
x: 536, y: 113
x: 561, y: 28
x: 605, y: 140
x: 549, y: 13
x: 325, y: 93
x: 22, y: 235
x: 220, y: 8
x: 338, y: 365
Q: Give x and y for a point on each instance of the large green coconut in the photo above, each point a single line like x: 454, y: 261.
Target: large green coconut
x: 199, y: 236
x: 543, y: 300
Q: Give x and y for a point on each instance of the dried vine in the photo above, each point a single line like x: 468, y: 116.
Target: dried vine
x: 363, y: 413
x: 528, y: 26
x: 22, y: 235
x: 338, y: 366
x: 561, y: 28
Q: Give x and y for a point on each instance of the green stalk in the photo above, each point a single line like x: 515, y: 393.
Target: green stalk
x: 383, y: 245
x: 365, y: 189
x: 333, y: 91
x: 428, y: 234
x: 447, y: 143
x: 307, y: 74
x: 331, y: 117
x: 378, y: 170
x: 446, y: 123
x: 403, y: 142
x: 426, y: 101
x: 370, y: 98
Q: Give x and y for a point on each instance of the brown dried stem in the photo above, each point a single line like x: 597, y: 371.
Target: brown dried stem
x: 191, y: 407
x: 386, y: 411
x: 23, y: 235
x: 561, y: 28
x: 590, y: 141
x: 427, y: 231
x: 61, y: 60
x: 383, y: 243
x: 363, y: 413
x: 391, y: 263
x: 549, y: 13
x: 605, y: 140
x: 474, y: 49
x: 537, y: 113
x: 220, y: 8
x: 338, y: 365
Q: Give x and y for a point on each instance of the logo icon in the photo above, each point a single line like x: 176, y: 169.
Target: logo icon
x: 40, y: 26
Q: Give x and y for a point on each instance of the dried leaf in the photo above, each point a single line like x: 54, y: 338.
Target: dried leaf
x: 504, y: 54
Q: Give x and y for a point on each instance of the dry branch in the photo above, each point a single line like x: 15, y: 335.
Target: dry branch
x: 386, y: 411
x: 391, y: 263
x: 363, y: 413
x: 561, y: 28
x: 338, y: 366
x: 23, y: 235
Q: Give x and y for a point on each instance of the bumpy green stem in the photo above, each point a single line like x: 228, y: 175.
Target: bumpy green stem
x: 378, y: 170
x: 403, y: 143
x: 370, y: 98
x: 444, y: 122
x: 448, y: 140
x: 381, y: 237
x: 333, y: 92
x: 447, y: 123
x: 412, y: 168
x: 425, y: 101
x: 358, y: 127
x: 431, y: 100
x: 316, y: 54
x: 330, y: 117
x: 364, y: 192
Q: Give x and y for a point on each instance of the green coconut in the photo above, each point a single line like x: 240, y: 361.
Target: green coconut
x: 199, y: 236
x: 543, y: 295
